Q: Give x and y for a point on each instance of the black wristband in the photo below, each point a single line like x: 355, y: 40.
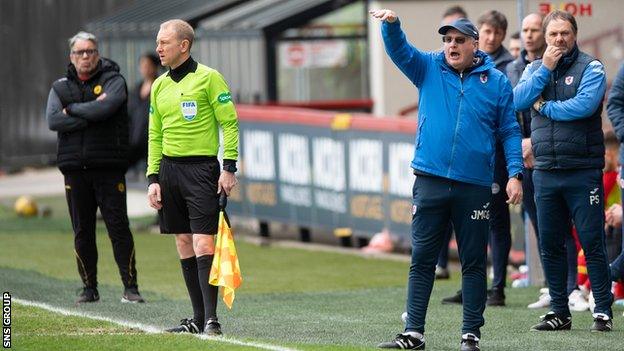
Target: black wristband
x: 229, y: 165
x: 152, y: 178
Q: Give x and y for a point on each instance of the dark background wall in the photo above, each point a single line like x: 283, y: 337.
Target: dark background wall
x: 33, y: 53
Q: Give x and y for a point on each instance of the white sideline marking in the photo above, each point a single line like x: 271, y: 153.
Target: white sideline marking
x: 144, y: 327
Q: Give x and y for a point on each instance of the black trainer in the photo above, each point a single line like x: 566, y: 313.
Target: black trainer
x: 88, y: 295
x: 132, y: 295
x: 602, y: 323
x: 469, y: 342
x: 405, y: 341
x: 187, y: 325
x: 496, y: 297
x: 213, y: 328
x: 551, y: 322
x: 453, y: 300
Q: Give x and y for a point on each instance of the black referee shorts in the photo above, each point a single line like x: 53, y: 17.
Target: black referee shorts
x: 190, y: 201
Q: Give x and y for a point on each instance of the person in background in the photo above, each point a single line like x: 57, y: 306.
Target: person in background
x: 453, y: 13
x: 615, y: 110
x: 138, y: 109
x: 515, y: 45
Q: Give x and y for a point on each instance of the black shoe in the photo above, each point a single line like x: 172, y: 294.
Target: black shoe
x: 405, y: 341
x: 469, y: 342
x: 187, y: 325
x: 602, y: 323
x: 455, y: 299
x: 88, y: 295
x: 496, y: 297
x: 132, y: 295
x: 551, y: 322
x: 213, y: 328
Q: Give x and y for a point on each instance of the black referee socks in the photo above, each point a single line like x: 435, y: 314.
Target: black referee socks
x: 191, y: 278
x: 209, y: 292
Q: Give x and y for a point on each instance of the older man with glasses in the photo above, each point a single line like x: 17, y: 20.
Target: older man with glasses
x: 87, y: 108
x: 465, y: 105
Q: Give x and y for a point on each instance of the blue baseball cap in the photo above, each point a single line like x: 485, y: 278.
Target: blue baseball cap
x: 463, y: 25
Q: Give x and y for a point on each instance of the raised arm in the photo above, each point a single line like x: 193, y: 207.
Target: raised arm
x: 411, y: 61
x: 530, y: 86
x: 588, y: 97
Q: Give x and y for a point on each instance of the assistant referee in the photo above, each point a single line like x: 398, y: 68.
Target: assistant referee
x: 188, y: 104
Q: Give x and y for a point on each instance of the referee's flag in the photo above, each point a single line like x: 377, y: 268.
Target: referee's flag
x: 225, y: 271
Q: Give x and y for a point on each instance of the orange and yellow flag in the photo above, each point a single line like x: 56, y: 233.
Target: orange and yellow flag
x: 225, y: 271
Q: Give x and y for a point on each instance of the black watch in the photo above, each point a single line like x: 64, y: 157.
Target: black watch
x: 517, y: 176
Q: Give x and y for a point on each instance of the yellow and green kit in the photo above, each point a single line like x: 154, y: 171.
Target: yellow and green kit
x: 185, y: 117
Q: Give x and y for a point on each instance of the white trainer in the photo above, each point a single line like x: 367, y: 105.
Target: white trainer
x: 542, y: 302
x: 577, y: 302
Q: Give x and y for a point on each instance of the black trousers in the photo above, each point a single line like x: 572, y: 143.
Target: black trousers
x: 86, y: 191
x: 576, y: 194
x: 438, y: 202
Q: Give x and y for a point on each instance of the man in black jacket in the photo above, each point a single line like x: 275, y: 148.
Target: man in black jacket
x: 88, y: 109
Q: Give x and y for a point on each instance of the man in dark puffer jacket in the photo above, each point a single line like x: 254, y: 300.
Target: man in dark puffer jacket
x: 88, y: 110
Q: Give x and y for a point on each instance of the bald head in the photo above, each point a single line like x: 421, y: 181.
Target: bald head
x: 182, y: 30
x: 533, y: 18
x: 173, y: 42
x: 533, y: 35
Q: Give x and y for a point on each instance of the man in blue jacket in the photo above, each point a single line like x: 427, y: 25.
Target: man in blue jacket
x: 564, y: 91
x: 465, y: 105
x: 615, y: 109
x: 492, y: 26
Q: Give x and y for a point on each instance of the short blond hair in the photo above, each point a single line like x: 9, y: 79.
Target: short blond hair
x: 183, y: 30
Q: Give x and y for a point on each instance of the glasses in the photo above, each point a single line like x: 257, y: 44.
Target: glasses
x: 449, y: 39
x: 88, y: 52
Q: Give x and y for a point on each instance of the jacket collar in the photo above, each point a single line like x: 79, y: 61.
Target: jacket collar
x: 178, y: 73
x: 566, y: 61
x: 501, y: 55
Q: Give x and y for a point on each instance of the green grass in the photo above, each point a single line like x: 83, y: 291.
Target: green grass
x: 294, y: 298
x: 38, y: 329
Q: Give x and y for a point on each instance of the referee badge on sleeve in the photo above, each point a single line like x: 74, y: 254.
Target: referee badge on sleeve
x: 189, y: 109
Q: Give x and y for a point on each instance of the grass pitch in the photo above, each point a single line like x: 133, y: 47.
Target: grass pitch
x: 290, y: 298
